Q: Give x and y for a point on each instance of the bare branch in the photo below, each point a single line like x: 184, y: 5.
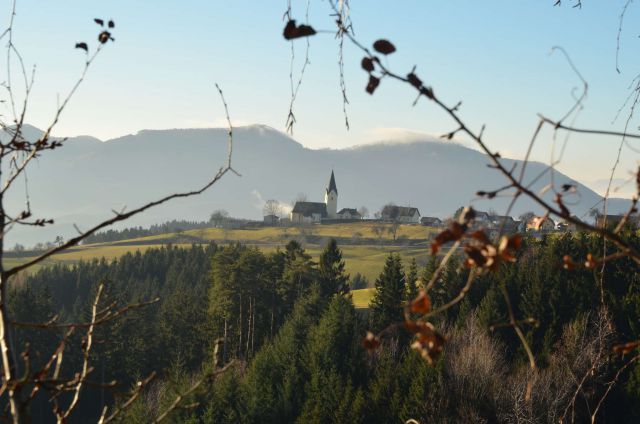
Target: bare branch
x: 105, y: 316
x: 208, y: 378
x: 86, y: 352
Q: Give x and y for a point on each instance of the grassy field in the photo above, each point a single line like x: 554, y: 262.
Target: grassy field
x: 366, y: 259
x: 277, y: 235
x: 362, y: 297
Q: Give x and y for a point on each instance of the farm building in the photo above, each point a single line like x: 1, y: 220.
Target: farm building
x: 349, y: 213
x: 403, y: 214
x: 431, y: 221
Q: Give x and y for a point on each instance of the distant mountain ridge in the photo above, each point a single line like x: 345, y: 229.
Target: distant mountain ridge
x: 85, y: 180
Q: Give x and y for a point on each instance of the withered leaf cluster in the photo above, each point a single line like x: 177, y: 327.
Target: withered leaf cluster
x: 292, y: 31
x: 427, y: 340
x: 590, y: 262
x: 625, y: 348
x: 371, y: 341
x: 480, y: 252
x: 103, y: 37
x: 368, y: 63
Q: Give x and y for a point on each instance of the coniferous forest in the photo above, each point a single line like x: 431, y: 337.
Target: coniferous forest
x: 283, y: 328
x: 252, y: 316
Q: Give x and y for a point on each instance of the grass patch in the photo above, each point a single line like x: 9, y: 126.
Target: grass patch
x: 270, y: 235
x: 367, y: 260
x: 362, y: 297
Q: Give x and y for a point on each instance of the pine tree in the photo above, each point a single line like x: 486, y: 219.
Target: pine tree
x: 412, y: 281
x: 387, y: 302
x: 298, y: 275
x: 429, y: 269
x: 332, y: 277
x: 276, y: 378
x: 334, y: 358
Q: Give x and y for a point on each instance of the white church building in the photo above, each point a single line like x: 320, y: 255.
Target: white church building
x: 314, y: 212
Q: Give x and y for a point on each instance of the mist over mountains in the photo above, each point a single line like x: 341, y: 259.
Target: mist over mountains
x: 85, y: 180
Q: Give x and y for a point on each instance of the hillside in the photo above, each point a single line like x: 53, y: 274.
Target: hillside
x: 82, y: 182
x: 364, y: 252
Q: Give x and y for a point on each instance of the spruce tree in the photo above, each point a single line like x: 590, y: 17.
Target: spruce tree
x: 332, y: 277
x: 387, y: 302
x: 412, y: 281
x: 429, y: 269
x: 335, y: 359
x: 299, y: 274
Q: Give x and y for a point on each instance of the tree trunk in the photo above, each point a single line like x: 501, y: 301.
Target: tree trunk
x: 246, y: 350
x: 240, y: 328
x: 224, y: 344
x: 253, y: 327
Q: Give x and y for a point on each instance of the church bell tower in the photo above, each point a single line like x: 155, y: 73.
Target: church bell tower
x: 331, y: 198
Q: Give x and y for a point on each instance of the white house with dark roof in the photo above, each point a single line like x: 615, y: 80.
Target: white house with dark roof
x: 403, y: 214
x: 431, y: 221
x: 349, y: 213
x: 308, y: 212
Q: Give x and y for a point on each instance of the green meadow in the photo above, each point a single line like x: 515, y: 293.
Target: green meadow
x: 362, y: 251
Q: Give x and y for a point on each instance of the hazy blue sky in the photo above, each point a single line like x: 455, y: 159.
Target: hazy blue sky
x: 493, y: 55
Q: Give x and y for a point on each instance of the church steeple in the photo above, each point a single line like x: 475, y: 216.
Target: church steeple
x: 332, y: 184
x: 331, y: 197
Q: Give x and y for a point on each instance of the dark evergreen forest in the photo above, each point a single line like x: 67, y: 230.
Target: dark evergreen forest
x: 286, y: 323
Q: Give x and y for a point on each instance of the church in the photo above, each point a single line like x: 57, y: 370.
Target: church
x: 314, y: 212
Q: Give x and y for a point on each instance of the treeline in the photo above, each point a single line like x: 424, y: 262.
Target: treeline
x: 289, y: 326
x: 135, y: 232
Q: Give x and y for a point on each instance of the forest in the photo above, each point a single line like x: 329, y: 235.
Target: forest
x: 497, y: 326
x: 291, y: 347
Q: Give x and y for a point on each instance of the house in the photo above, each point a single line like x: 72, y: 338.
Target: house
x: 312, y: 212
x: 567, y: 226
x: 613, y: 220
x: 308, y: 212
x: 271, y: 219
x: 541, y: 223
x: 507, y: 223
x: 349, y: 213
x: 403, y: 214
x: 431, y: 221
x: 483, y: 218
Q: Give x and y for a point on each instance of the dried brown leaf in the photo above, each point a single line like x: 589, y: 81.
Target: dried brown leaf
x: 291, y: 31
x: 626, y: 347
x: 373, y: 84
x: 371, y: 341
x: 384, y: 47
x: 414, y: 80
x: 367, y: 64
x: 421, y: 304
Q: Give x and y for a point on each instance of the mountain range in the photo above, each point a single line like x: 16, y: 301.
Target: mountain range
x: 87, y: 179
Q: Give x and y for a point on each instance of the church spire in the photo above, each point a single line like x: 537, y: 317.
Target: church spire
x: 332, y: 184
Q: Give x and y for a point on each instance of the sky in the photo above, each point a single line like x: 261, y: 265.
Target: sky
x: 492, y: 55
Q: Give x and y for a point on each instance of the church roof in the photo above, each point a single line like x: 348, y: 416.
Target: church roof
x: 309, y: 208
x: 332, y: 184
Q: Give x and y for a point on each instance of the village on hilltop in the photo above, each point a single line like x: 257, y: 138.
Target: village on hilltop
x: 307, y: 213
